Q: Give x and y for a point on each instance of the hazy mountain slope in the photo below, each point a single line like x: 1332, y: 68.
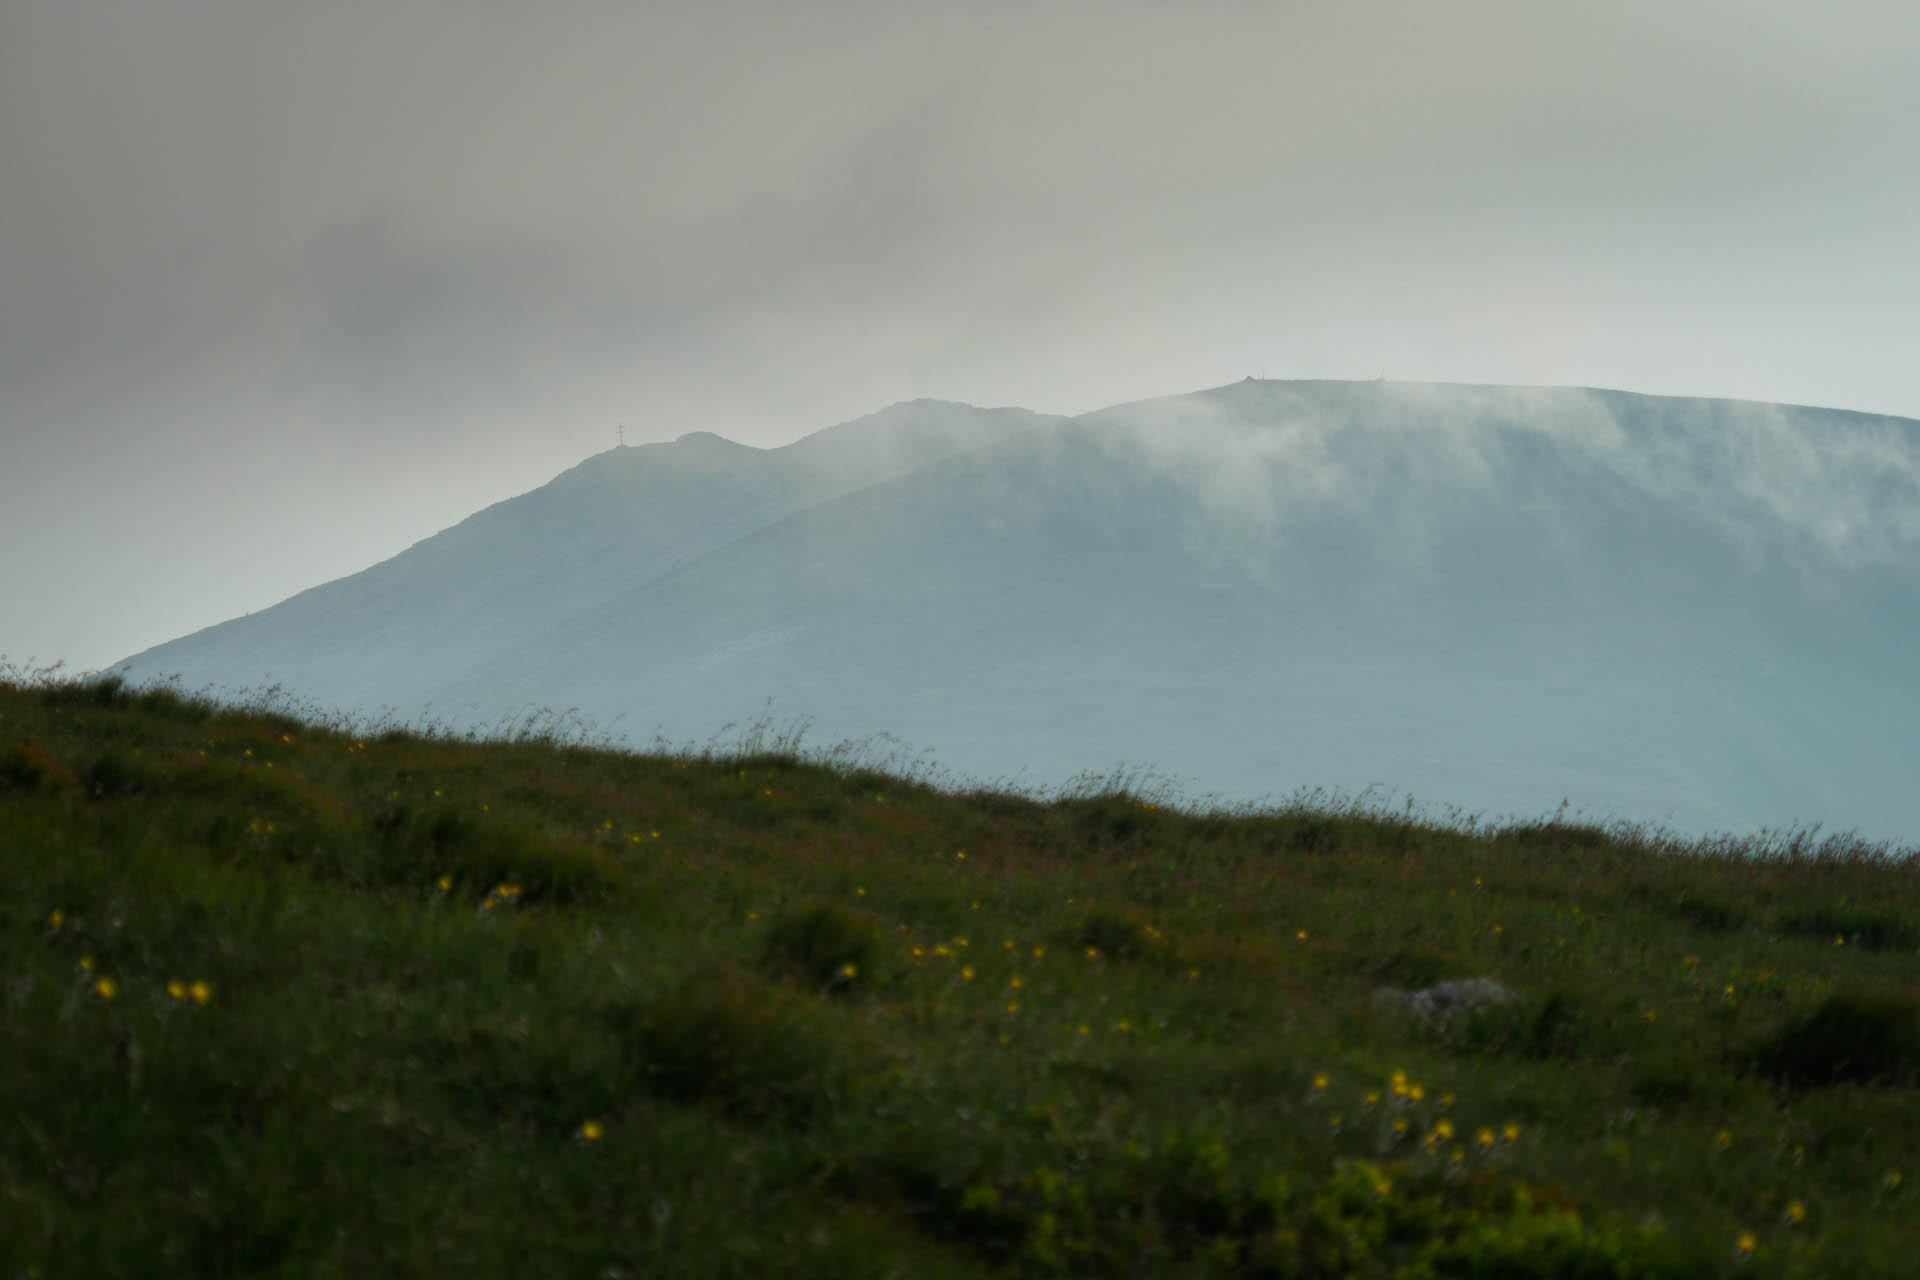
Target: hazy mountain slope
x: 1683, y: 610
x: 502, y: 576
x: 1469, y: 593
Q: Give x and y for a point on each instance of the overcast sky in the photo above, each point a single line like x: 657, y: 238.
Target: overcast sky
x: 286, y: 287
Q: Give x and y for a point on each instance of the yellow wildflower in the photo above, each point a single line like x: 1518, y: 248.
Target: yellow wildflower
x: 591, y: 1131
x: 201, y: 992
x: 106, y: 988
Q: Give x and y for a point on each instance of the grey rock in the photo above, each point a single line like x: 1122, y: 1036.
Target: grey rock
x: 1443, y: 1003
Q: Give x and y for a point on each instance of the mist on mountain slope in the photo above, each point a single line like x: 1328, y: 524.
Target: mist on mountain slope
x: 1681, y: 611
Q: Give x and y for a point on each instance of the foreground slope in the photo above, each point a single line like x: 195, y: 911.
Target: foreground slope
x: 1689, y: 611
x: 281, y: 1001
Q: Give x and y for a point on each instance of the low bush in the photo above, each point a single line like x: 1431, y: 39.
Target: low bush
x: 734, y: 1042
x: 23, y: 767
x: 1557, y: 1026
x: 1123, y: 938
x: 824, y: 946
x: 1707, y: 915
x: 1860, y: 1037
x: 1416, y: 966
x: 113, y: 774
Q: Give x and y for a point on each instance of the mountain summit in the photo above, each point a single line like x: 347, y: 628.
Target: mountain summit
x: 1683, y: 611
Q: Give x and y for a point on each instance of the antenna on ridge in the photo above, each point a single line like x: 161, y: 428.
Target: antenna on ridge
x: 622, y: 429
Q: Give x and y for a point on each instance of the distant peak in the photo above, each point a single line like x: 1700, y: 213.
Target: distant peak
x: 707, y: 440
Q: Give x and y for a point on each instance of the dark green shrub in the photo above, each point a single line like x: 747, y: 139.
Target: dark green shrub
x: 1106, y: 821
x: 112, y: 775
x: 1189, y: 1178
x: 99, y: 691
x: 1875, y: 928
x: 1681, y: 1079
x: 1706, y: 915
x: 23, y: 767
x: 170, y: 704
x: 825, y: 946
x: 1313, y: 835
x: 1859, y: 1037
x: 737, y: 1043
x: 1122, y: 938
x: 478, y: 854
x: 447, y: 831
x: 1416, y: 966
x: 1556, y: 1026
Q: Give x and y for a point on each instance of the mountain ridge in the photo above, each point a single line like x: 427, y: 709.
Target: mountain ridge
x: 1486, y: 597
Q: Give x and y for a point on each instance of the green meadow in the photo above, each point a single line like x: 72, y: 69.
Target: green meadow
x: 289, y: 996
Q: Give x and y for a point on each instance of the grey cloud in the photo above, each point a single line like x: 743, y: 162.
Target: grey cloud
x: 406, y: 321
x: 1846, y: 495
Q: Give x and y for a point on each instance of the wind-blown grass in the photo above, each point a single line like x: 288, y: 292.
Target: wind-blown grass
x: 296, y: 996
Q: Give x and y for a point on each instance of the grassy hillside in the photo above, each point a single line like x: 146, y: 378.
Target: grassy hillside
x: 284, y: 1000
